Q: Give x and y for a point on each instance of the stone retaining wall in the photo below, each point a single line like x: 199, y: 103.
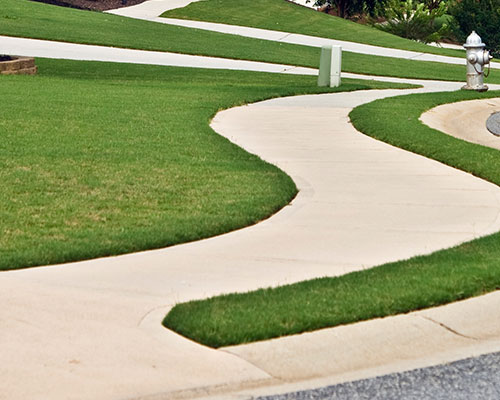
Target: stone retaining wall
x: 18, y: 65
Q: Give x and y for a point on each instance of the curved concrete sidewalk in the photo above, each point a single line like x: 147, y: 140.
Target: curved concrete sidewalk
x: 92, y: 329
x: 465, y: 120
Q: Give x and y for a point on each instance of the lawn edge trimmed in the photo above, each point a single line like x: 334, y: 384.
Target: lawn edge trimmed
x: 480, y: 265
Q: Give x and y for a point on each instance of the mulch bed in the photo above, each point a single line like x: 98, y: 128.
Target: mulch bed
x: 95, y: 5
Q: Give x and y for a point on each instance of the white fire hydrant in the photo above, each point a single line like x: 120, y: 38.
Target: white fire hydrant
x: 477, y: 59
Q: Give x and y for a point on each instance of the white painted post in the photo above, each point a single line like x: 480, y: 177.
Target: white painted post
x: 324, y: 66
x: 336, y: 66
x: 330, y: 66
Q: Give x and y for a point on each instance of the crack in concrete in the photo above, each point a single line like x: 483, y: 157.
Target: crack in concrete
x: 449, y: 329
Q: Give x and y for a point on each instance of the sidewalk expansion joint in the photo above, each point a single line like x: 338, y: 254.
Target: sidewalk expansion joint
x: 416, y: 56
x: 227, y: 351
x: 448, y: 328
x: 284, y: 37
x: 152, y: 311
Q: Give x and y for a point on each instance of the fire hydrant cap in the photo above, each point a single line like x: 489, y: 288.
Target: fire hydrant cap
x: 474, y: 41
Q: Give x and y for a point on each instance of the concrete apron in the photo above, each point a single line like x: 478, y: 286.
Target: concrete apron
x: 465, y: 120
x: 92, y: 329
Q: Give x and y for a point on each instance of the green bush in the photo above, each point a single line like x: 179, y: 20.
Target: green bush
x: 415, y: 20
x: 482, y: 16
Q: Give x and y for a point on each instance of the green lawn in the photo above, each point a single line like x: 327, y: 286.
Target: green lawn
x: 99, y: 159
x: 31, y: 19
x: 284, y: 16
x: 449, y: 275
x: 36, y: 20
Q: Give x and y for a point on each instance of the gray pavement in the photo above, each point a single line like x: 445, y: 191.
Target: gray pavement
x: 469, y: 379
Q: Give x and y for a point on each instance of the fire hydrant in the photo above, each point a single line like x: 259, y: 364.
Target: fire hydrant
x: 477, y: 59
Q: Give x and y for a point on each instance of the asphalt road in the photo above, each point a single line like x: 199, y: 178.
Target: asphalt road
x: 469, y: 379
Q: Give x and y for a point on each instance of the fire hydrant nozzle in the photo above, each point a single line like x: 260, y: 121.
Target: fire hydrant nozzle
x: 477, y: 59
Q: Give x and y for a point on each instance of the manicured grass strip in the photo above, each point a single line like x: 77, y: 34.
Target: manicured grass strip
x: 387, y: 66
x: 25, y: 18
x: 37, y: 20
x: 445, y: 276
x: 99, y: 159
x: 377, y: 119
x: 281, y: 15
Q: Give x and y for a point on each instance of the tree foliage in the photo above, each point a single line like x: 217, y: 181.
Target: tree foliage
x: 349, y: 8
x: 482, y: 16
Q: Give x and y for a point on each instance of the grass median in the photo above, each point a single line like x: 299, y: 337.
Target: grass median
x: 282, y: 15
x: 37, y: 20
x: 467, y: 270
x: 99, y: 159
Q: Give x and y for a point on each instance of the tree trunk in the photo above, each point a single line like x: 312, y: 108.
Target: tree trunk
x: 341, y: 7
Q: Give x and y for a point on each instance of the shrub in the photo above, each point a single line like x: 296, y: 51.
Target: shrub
x: 482, y: 16
x: 350, y: 8
x: 415, y: 20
